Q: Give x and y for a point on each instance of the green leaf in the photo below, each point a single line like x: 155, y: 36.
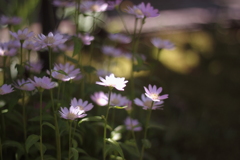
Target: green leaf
x: 74, y: 143
x: 4, y: 110
x: 81, y: 151
x: 31, y: 140
x: 75, y: 153
x: 20, y: 69
x: 77, y: 46
x: 116, y: 146
x: 116, y: 134
x: 95, y: 118
x: 146, y: 143
x: 14, y: 144
x: 49, y: 125
x: 140, y: 67
x: 37, y: 145
x: 118, y: 107
x: 156, y: 126
x: 71, y: 59
x: 89, y: 69
x: 130, y: 149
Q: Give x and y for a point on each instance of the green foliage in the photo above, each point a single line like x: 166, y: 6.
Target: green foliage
x: 31, y: 140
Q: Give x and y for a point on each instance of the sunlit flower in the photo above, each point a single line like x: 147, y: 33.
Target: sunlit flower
x: 146, y: 103
x: 35, y: 67
x: 118, y: 100
x: 121, y: 38
x: 93, y: 6
x: 63, y: 3
x: 153, y: 92
x: 25, y: 85
x: 4, y: 20
x: 50, y: 40
x: 113, y: 4
x: 113, y: 82
x: 72, y: 113
x: 22, y: 34
x: 5, y: 50
x: 100, y: 98
x: 111, y: 51
x: 143, y: 11
x: 86, y: 38
x: 5, y: 89
x: 132, y: 124
x: 64, y: 72
x: 81, y: 105
x: 159, y: 43
x: 43, y: 83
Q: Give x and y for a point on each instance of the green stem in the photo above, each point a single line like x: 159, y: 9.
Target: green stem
x: 146, y: 128
x: 158, y: 54
x: 105, y: 125
x: 21, y: 52
x: 134, y: 137
x: 1, y: 157
x: 124, y: 24
x: 70, y: 140
x: 4, y: 69
x: 24, y: 122
x: 40, y: 121
x: 57, y: 135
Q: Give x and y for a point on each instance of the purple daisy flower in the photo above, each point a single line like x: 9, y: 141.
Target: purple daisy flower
x: 93, y: 6
x: 143, y: 11
x: 43, y: 83
x: 50, y: 40
x: 113, y: 82
x: 64, y: 72
x: 113, y: 4
x: 7, y: 50
x: 121, y: 38
x: 100, y: 98
x: 81, y: 105
x: 25, y: 85
x: 72, y: 113
x: 22, y: 35
x: 4, y: 20
x: 111, y: 51
x: 132, y: 124
x: 86, y: 38
x: 118, y: 100
x: 31, y: 45
x: 63, y: 3
x: 5, y: 89
x: 159, y: 43
x: 146, y: 103
x: 153, y: 92
x: 35, y: 67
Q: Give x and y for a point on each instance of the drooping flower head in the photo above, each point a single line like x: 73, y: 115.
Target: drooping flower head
x: 81, y: 105
x: 100, y: 98
x: 22, y: 35
x: 5, y: 89
x: 113, y: 82
x: 42, y: 83
x: 146, y: 103
x: 143, y: 11
x: 93, y: 6
x: 121, y: 38
x: 113, y: 4
x: 153, y: 92
x: 64, y: 72
x: 50, y: 40
x: 86, y: 38
x: 162, y: 44
x: 118, y: 100
x: 4, y: 20
x: 25, y: 85
x: 72, y: 113
x: 132, y: 124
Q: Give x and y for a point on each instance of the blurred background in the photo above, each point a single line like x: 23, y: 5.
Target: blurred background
x: 201, y: 118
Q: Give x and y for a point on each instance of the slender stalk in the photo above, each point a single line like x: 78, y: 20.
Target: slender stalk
x: 158, y: 54
x: 50, y: 60
x: 124, y: 24
x: 57, y: 135
x: 105, y: 125
x: 146, y: 128
x: 134, y: 137
x: 21, y: 52
x: 70, y: 140
x: 1, y: 157
x: 29, y: 51
x: 1, y: 136
x: 40, y: 122
x: 4, y: 69
x: 24, y: 122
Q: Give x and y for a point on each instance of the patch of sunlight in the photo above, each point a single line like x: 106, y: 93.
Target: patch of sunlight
x: 114, y: 26
x: 178, y: 60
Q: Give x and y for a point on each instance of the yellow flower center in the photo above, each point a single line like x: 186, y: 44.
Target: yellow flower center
x: 49, y: 40
x: 81, y: 107
x: 71, y: 116
x: 148, y: 103
x: 138, y: 11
